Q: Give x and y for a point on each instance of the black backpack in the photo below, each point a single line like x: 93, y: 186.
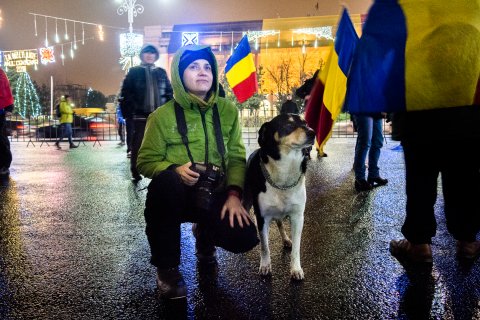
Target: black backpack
x: 57, y: 111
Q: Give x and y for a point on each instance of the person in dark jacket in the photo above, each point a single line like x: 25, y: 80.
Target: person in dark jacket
x: 145, y: 88
x: 179, y: 190
x: 289, y: 106
x: 6, y: 105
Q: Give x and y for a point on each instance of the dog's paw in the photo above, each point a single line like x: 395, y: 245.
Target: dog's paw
x: 297, y: 274
x: 287, y: 243
x: 265, y: 269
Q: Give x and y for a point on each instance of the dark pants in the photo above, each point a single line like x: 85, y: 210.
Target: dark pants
x: 129, y: 130
x: 66, y: 132
x: 138, y: 132
x: 170, y: 203
x: 459, y: 168
x: 121, y: 132
x: 5, y: 153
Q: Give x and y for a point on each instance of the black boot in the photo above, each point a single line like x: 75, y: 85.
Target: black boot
x: 170, y: 284
x: 204, y: 247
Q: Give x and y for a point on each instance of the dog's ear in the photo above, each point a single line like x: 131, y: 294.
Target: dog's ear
x: 262, y: 134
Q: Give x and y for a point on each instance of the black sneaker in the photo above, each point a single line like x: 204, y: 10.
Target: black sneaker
x: 58, y: 145
x: 170, y: 284
x: 72, y: 146
x: 377, y: 181
x: 362, y: 185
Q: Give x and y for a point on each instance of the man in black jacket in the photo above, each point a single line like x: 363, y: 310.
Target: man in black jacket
x: 289, y: 106
x: 145, y: 88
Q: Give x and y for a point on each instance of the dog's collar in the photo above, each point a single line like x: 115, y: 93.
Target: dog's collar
x: 267, y: 177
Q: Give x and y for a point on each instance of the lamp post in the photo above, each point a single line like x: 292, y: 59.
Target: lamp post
x: 130, y: 43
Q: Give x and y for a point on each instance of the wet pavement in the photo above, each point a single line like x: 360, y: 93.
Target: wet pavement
x: 72, y: 246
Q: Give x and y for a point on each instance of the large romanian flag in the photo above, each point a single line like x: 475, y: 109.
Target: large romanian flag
x: 240, y: 71
x: 328, y: 94
x: 417, y: 55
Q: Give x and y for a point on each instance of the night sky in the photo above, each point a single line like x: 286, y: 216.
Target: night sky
x: 96, y: 63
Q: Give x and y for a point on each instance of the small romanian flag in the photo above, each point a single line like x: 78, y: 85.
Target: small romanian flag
x: 240, y: 71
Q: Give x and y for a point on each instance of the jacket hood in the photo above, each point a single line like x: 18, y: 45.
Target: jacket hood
x: 179, y: 92
x: 149, y: 48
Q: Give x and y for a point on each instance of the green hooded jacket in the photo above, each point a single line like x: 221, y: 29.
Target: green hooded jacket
x: 162, y: 145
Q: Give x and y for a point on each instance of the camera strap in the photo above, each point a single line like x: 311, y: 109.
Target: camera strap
x: 182, y: 129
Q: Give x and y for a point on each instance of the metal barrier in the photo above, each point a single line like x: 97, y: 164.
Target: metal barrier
x: 99, y: 127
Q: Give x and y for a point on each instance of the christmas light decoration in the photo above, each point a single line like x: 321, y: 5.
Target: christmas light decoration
x: 57, y: 38
x: 100, y: 32
x: 66, y: 30
x: 26, y: 98
x: 130, y: 43
x: 47, y: 55
x: 46, y: 32
x: 320, y: 32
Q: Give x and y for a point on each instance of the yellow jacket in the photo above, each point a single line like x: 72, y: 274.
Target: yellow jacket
x: 66, y: 111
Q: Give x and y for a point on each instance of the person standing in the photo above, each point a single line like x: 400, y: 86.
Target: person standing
x: 145, y: 88
x: 369, y: 142
x: 66, y: 120
x: 121, y: 126
x: 6, y: 106
x: 289, y: 106
x: 194, y: 154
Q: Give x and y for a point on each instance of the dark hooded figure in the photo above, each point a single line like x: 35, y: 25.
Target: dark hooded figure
x: 145, y: 88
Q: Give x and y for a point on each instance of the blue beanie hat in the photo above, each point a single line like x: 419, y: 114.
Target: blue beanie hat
x: 189, y: 56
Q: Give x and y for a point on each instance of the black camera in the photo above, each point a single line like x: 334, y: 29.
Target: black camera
x: 210, y: 178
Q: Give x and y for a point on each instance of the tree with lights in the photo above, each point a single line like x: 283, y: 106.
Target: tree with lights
x: 26, y: 99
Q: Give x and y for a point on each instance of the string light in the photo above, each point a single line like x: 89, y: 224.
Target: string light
x: 57, y: 38
x: 72, y: 54
x: 100, y: 32
x: 62, y: 56
x: 221, y: 40
x: 26, y: 98
x: 74, y: 37
x: 83, y: 34
x: 46, y: 33
x: 35, y: 24
x: 66, y: 30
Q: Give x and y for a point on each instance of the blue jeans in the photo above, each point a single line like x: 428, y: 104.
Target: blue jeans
x: 369, y: 141
x: 66, y: 132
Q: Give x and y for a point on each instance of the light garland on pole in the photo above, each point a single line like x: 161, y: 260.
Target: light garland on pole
x: 130, y: 43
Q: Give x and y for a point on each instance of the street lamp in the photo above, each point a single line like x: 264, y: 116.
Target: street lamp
x: 130, y: 43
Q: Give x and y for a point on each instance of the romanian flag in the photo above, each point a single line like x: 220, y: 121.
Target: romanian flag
x: 240, y: 71
x: 417, y: 55
x: 328, y: 93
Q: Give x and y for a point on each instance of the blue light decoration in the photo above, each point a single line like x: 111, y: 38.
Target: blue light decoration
x: 26, y: 98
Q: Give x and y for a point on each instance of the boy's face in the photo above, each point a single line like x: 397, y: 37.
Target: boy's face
x: 198, y: 78
x: 149, y: 57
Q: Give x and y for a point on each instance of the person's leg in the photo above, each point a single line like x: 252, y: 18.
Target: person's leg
x: 139, y: 130
x: 376, y: 146
x: 62, y: 134
x: 165, y: 209
x: 129, y: 130
x: 421, y: 169
x: 5, y: 153
x: 68, y: 127
x: 461, y: 189
x: 364, y: 136
x: 236, y: 239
